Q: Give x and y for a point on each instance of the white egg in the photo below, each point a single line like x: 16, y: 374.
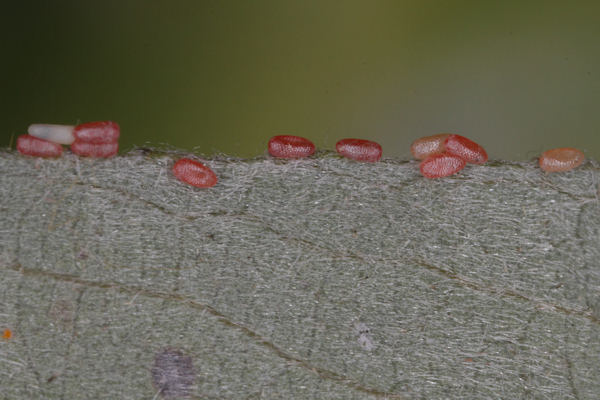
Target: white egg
x: 62, y: 134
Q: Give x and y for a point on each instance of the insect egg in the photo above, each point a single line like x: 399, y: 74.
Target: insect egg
x: 194, y: 173
x: 441, y: 165
x: 466, y: 149
x: 62, y: 134
x: 561, y: 159
x: 289, y: 146
x: 428, y: 146
x: 359, y: 149
x: 98, y: 132
x: 32, y: 146
x: 86, y: 149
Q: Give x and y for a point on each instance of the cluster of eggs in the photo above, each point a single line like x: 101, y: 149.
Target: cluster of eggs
x: 446, y: 154
x: 98, y: 139
x: 440, y: 155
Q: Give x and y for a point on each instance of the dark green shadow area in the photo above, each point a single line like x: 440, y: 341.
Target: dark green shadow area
x: 224, y: 76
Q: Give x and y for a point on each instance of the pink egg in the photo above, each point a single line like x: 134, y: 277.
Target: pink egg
x: 441, y: 165
x: 194, y: 173
x: 98, y: 132
x: 561, y: 159
x: 466, y: 149
x: 85, y: 149
x: 32, y: 146
x: 428, y: 146
x: 289, y: 146
x: 359, y: 149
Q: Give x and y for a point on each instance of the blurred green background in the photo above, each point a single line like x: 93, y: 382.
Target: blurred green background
x: 518, y: 77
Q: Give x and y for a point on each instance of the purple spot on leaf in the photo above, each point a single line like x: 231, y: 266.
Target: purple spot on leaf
x: 173, y: 373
